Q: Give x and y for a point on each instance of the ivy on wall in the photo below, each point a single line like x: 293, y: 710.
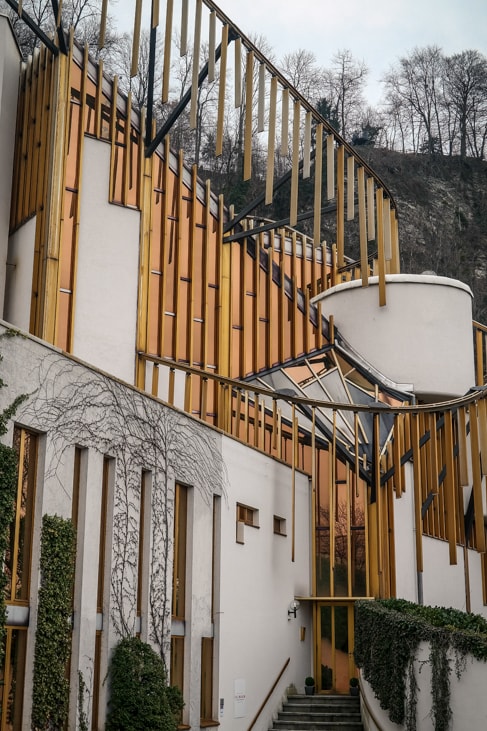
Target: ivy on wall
x: 387, y: 635
x: 50, y: 698
x: 8, y: 485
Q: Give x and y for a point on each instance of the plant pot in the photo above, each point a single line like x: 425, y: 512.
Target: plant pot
x: 354, y: 690
x: 309, y: 689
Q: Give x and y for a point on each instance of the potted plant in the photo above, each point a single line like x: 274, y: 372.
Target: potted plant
x: 309, y: 685
x: 354, y: 689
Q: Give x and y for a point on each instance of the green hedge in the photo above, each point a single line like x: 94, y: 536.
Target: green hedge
x: 387, y: 635
x: 140, y: 698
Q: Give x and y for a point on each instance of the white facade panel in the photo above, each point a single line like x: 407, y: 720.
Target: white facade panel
x: 9, y: 83
x: 107, y: 271
x: 20, y: 266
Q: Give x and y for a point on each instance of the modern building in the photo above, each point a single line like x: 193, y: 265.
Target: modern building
x: 249, y: 428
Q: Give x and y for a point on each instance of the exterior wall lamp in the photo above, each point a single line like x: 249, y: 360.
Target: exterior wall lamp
x: 292, y: 609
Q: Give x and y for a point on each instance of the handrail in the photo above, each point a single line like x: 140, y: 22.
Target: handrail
x: 367, y: 705
x: 378, y: 407
x: 268, y: 695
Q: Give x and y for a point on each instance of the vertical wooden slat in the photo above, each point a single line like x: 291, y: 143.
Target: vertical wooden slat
x: 238, y: 73
x: 49, y: 307
x: 166, y: 66
x: 380, y: 248
x: 165, y: 244
x: 318, y: 191
x: 477, y: 479
x: 462, y: 447
x: 256, y: 308
x: 103, y: 24
x: 285, y: 122
x: 261, y: 99
x: 127, y: 153
x: 221, y: 92
x: 307, y: 146
x: 414, y: 421
x: 450, y: 487
x: 350, y: 188
x: 211, y: 47
x: 387, y: 229
x: 98, y: 99
x: 271, y: 141
x: 479, y: 357
x: 370, y: 209
x: 293, y: 478
x: 313, y: 498
x: 205, y: 280
x: 396, y: 259
x: 340, y: 194
x: 330, y: 166
x: 177, y: 257
x: 136, y: 38
x: 482, y: 410
x: 396, y: 452
x: 183, y: 44
x: 196, y: 66
x: 249, y: 78
x: 293, y: 211
x: 113, y: 136
x: 364, y: 263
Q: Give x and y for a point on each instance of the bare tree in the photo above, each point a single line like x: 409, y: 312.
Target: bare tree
x: 416, y: 82
x: 466, y: 98
x: 344, y: 84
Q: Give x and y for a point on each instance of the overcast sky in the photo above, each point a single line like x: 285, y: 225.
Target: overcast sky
x: 376, y: 32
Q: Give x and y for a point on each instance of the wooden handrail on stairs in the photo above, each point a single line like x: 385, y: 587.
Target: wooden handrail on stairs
x: 268, y: 695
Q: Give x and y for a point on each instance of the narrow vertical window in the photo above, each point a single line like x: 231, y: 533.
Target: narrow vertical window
x: 179, y: 572
x: 17, y: 562
x: 176, y: 669
x: 12, y: 679
x: 103, y: 528
x: 107, y: 477
x: 141, y: 568
x: 206, y: 679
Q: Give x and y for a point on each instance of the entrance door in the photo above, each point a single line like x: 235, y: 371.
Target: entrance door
x: 335, y: 631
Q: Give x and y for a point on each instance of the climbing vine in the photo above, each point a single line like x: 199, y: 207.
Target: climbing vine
x: 75, y: 405
x: 387, y: 635
x: 50, y: 697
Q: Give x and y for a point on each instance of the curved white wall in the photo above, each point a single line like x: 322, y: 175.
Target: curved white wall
x: 422, y: 336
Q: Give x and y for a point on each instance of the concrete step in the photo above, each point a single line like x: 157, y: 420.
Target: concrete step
x: 319, y: 713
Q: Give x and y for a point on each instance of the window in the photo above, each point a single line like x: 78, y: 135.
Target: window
x: 17, y: 562
x: 206, y: 711
x: 247, y: 515
x: 179, y: 571
x: 279, y: 526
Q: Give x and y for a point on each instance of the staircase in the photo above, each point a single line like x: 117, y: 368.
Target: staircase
x: 319, y: 713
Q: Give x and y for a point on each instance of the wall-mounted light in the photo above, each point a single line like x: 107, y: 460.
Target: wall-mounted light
x: 292, y: 609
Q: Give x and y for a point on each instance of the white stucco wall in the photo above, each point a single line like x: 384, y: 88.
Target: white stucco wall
x: 258, y: 581
x: 107, y: 271
x: 254, y: 581
x: 9, y: 82
x: 20, y: 266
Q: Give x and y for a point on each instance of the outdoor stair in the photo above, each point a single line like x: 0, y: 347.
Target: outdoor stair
x: 319, y: 713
